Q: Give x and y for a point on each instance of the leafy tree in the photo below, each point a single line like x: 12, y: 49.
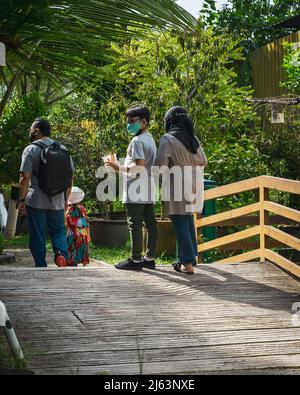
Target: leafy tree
x: 80, y: 137
x: 163, y: 69
x: 291, y: 65
x: 281, y: 143
x: 231, y: 161
x: 167, y: 69
x: 14, y: 133
x: 73, y: 124
x: 50, y: 40
x: 251, y: 21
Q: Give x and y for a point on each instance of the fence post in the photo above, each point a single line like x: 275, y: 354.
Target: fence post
x: 263, y: 219
x: 13, y: 210
x: 197, y: 230
x: 10, y: 333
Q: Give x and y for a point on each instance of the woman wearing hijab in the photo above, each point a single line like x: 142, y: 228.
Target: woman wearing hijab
x: 183, y: 159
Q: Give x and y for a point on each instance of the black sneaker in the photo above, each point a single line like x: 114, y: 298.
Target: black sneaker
x: 129, y: 264
x: 148, y: 264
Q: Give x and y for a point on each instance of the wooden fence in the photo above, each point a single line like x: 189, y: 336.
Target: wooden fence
x: 264, y: 227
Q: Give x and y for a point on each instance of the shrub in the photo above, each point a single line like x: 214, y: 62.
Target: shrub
x: 14, y: 132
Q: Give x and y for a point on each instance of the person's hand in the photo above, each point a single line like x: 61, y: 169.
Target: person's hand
x: 22, y: 209
x: 114, y: 165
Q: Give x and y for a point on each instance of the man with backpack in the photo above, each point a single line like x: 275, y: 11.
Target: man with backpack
x: 45, y: 184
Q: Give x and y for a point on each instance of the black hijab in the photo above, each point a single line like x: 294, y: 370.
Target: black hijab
x: 179, y: 125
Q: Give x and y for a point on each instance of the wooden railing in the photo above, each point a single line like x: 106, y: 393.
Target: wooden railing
x: 263, y: 229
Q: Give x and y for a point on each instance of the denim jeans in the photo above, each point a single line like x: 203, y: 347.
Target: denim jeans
x: 38, y: 221
x: 137, y: 214
x: 186, y: 238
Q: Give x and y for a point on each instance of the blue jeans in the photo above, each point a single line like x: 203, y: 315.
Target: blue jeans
x: 186, y: 238
x: 38, y: 220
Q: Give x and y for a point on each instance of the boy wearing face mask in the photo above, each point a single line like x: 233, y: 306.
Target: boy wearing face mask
x: 139, y: 201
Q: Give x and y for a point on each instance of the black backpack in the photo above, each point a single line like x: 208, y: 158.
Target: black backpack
x: 55, y: 171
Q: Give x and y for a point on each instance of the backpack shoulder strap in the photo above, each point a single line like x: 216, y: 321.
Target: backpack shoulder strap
x: 42, y: 146
x: 61, y: 146
x: 39, y: 144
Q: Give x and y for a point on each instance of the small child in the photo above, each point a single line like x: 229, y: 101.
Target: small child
x: 78, y: 231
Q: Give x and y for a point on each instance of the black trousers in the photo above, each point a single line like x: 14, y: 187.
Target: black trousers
x: 137, y: 214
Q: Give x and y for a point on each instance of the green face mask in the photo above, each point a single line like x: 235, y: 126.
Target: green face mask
x: 133, y: 128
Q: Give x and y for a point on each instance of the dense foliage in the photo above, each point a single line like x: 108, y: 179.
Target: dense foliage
x: 165, y: 69
x: 291, y: 66
x: 49, y: 41
x: 199, y: 70
x: 253, y: 22
x: 14, y: 133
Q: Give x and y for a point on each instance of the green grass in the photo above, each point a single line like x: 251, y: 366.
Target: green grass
x: 114, y: 255
x: 20, y: 241
x: 7, y: 361
x: 111, y: 255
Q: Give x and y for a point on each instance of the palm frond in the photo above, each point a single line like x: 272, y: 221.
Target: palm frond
x: 49, y: 38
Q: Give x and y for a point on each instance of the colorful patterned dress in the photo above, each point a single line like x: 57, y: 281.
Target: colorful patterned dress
x: 78, y: 235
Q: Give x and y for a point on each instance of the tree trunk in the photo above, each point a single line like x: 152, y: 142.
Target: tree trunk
x: 24, y: 86
x: 9, y: 91
x: 13, y: 210
x: 3, y: 77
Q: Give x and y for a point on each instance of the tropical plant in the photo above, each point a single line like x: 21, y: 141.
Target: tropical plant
x: 162, y: 70
x: 291, y: 65
x: 80, y: 137
x: 251, y: 21
x: 166, y: 69
x: 49, y: 41
x: 231, y: 161
x: 280, y: 143
x: 14, y: 133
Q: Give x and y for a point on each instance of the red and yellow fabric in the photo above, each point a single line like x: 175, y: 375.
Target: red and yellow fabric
x: 78, y: 235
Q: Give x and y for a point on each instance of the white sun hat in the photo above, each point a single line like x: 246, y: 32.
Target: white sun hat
x: 76, y: 195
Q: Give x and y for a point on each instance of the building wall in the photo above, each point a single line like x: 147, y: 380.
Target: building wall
x: 266, y: 63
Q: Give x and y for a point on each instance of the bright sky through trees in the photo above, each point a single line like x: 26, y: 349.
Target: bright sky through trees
x: 194, y: 6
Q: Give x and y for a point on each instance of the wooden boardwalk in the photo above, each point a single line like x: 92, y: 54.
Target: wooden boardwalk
x: 224, y: 319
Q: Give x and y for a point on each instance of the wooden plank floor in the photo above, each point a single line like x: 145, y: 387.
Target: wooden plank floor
x: 224, y: 319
